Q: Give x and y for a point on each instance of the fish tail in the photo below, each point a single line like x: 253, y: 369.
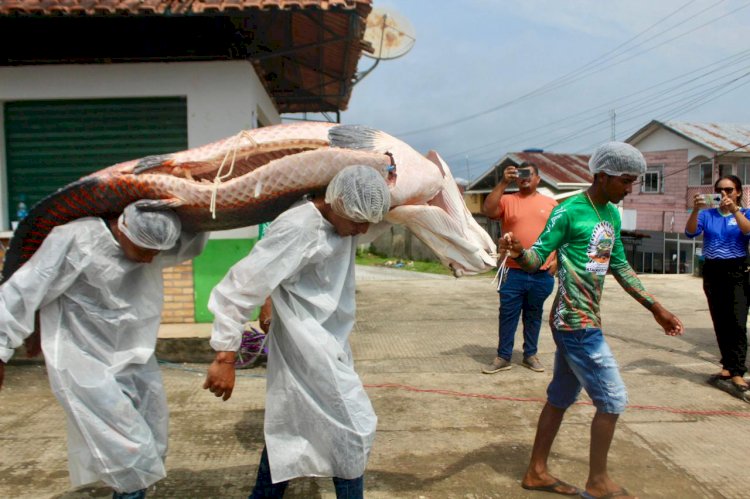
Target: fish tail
x: 88, y: 196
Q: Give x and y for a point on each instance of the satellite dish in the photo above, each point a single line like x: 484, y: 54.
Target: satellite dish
x: 390, y: 34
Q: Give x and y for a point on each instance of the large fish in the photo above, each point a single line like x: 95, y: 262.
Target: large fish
x: 253, y: 176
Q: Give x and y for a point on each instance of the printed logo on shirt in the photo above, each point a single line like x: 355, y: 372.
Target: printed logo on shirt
x: 600, y: 248
x: 732, y: 221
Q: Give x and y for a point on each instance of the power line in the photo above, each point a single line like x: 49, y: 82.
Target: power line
x: 559, y: 82
x: 709, y: 70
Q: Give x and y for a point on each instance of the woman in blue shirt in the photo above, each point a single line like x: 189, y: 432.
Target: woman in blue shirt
x: 726, y: 233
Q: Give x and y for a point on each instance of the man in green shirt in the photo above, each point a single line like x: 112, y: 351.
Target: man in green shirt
x: 585, y: 232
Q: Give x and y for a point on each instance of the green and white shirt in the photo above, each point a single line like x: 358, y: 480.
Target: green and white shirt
x: 587, y: 240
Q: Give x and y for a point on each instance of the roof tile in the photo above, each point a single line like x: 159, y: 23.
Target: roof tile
x: 150, y: 7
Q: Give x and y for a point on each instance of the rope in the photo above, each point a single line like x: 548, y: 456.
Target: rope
x: 502, y: 269
x: 219, y: 178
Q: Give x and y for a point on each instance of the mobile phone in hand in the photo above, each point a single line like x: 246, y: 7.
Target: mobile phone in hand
x: 524, y: 173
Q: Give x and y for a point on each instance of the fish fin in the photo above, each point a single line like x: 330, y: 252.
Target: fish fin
x: 435, y: 158
x: 158, y: 204
x: 151, y: 162
x: 354, y: 137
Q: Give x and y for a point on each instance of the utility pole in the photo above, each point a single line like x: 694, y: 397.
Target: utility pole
x: 613, y: 119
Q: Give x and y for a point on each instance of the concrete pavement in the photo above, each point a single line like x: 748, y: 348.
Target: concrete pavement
x: 445, y: 430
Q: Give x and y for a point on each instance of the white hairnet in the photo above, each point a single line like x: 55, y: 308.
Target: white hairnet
x: 359, y: 193
x: 158, y: 230
x: 617, y: 158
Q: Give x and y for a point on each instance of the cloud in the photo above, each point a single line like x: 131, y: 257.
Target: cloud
x: 476, y: 55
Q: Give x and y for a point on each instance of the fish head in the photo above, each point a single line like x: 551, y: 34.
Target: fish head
x: 446, y: 226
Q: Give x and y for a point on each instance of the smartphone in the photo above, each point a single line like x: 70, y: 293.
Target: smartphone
x: 524, y: 173
x: 712, y: 199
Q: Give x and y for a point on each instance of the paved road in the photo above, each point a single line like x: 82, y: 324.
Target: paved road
x: 445, y: 430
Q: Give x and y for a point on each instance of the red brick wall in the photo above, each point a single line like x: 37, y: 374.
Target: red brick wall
x: 655, y: 211
x: 179, y: 301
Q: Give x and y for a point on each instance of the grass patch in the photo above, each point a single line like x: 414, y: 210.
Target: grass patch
x: 367, y: 258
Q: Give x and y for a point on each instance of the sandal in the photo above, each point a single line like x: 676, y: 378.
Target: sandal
x: 740, y: 387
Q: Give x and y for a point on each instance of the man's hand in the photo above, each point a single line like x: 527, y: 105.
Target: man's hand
x: 667, y: 320
x: 510, y: 174
x: 509, y: 244
x: 265, y: 315
x: 33, y: 343
x: 552, y: 269
x: 220, y: 377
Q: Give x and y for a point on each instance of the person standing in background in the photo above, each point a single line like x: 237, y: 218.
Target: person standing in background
x: 522, y: 294
x: 726, y: 233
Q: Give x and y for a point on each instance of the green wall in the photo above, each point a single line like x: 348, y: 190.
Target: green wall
x: 211, y: 266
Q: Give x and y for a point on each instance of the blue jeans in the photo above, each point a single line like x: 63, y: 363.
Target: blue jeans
x: 266, y: 489
x: 583, y: 359
x: 525, y: 293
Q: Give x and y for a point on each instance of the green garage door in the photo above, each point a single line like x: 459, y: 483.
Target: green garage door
x: 52, y: 143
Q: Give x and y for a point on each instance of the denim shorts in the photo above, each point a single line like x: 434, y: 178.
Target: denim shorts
x: 583, y: 360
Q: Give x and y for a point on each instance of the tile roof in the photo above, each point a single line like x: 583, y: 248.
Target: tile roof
x: 162, y: 7
x: 717, y: 137
x: 304, y: 51
x: 554, y: 168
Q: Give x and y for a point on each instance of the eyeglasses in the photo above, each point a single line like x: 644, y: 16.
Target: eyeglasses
x: 725, y: 190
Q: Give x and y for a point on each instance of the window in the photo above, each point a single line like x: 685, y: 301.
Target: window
x: 700, y: 174
x: 652, y: 179
x: 725, y: 170
x: 743, y: 170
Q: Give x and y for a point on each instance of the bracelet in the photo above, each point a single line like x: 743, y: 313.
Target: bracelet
x: 520, y: 255
x: 224, y: 361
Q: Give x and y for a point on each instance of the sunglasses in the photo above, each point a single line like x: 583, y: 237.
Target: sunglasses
x: 725, y: 190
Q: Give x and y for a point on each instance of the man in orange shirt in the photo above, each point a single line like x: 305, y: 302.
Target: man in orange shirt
x: 524, y: 213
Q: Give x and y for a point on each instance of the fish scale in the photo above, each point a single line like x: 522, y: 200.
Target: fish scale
x: 267, y: 170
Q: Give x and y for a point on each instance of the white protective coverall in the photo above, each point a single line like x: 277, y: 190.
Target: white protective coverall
x: 318, y: 419
x: 100, y: 315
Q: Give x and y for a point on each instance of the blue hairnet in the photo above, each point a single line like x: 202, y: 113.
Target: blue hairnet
x: 158, y: 230
x: 617, y: 158
x: 359, y: 193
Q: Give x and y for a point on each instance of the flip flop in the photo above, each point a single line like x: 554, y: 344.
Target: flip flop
x: 739, y: 387
x: 617, y: 493
x: 553, y: 488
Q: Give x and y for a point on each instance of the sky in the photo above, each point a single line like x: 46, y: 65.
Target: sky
x: 489, y: 77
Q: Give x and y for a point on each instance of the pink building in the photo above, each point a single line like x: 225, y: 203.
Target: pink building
x: 684, y: 158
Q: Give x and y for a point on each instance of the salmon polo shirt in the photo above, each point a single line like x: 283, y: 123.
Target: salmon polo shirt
x: 525, y: 217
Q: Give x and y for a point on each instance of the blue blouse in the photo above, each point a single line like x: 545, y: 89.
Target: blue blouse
x: 722, y: 237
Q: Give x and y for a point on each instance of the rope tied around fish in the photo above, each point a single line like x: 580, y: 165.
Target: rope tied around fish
x: 219, y: 178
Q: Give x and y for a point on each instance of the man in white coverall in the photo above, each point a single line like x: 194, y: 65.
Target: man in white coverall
x: 318, y: 419
x: 99, y: 290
